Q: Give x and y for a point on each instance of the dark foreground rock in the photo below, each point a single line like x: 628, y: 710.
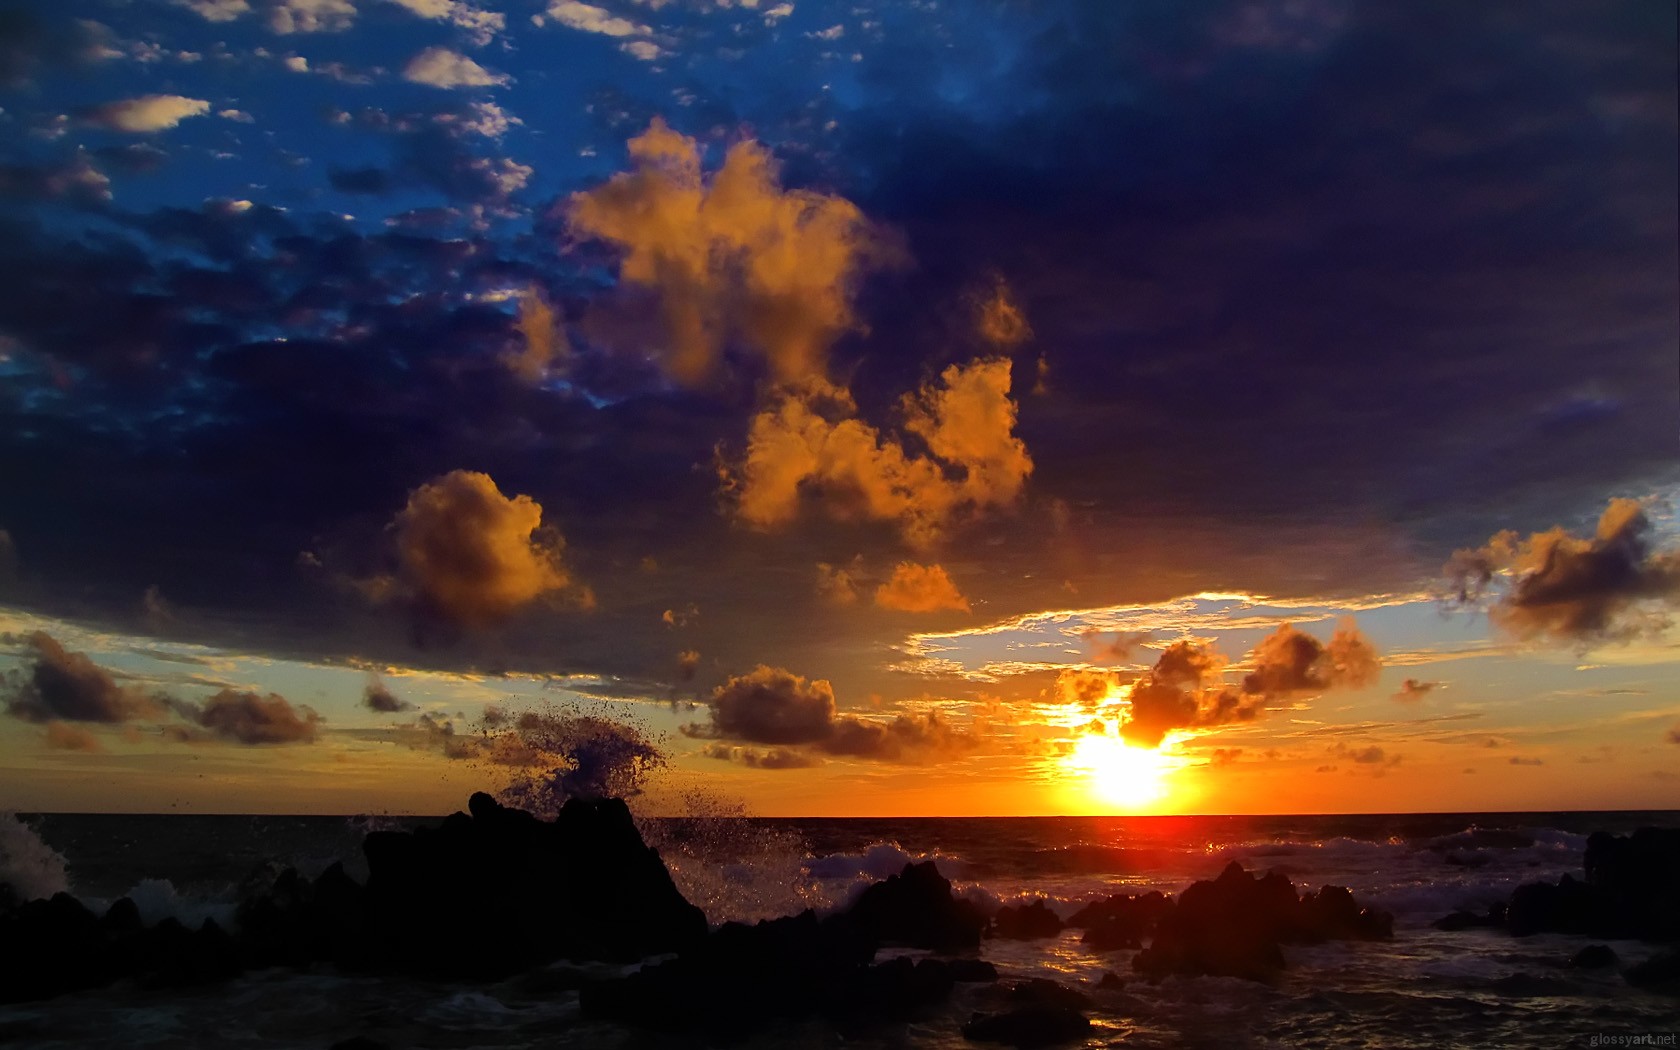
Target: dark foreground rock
x: 1594, y: 957
x: 1026, y: 922
x: 1660, y: 973
x: 1121, y: 921
x: 1236, y: 925
x: 485, y: 895
x: 742, y: 978
x: 1631, y: 889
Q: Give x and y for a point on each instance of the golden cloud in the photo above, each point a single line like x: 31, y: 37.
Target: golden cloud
x: 920, y: 589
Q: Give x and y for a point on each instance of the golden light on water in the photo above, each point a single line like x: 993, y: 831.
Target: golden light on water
x: 1116, y: 775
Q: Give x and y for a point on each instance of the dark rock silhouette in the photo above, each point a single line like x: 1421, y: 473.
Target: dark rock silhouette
x: 1631, y: 890
x: 1121, y: 921
x: 1594, y: 957
x: 1660, y: 973
x: 915, y: 908
x: 1494, y: 918
x: 482, y: 896
x: 1029, y: 1026
x: 1026, y: 922
x: 1235, y: 926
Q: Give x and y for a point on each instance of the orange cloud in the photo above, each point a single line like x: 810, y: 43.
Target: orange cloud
x: 920, y: 589
x: 733, y: 257
x: 1000, y: 319
x: 1610, y: 587
x: 544, y: 340
x: 808, y: 443
x: 472, y: 556
x: 61, y: 736
x: 1413, y: 689
x: 836, y: 585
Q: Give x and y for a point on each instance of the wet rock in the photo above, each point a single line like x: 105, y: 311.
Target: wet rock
x: 51, y: 947
x: 1029, y: 1026
x: 1594, y: 957
x: 1631, y: 889
x: 1027, y: 922
x: 1235, y: 926
x: 1111, y: 981
x: 915, y: 908
x: 1464, y: 920
x: 971, y: 971
x: 1041, y: 991
x: 1120, y: 921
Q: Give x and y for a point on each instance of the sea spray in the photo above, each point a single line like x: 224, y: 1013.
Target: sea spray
x: 27, y: 864
x: 733, y: 867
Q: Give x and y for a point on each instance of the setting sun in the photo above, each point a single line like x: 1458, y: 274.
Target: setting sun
x: 1116, y: 774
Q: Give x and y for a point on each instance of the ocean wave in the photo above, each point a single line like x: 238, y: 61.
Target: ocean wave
x: 880, y: 860
x: 27, y: 864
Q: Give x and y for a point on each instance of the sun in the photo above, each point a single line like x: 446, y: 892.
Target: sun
x: 1119, y: 775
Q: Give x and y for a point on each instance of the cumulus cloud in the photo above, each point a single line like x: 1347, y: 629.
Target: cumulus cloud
x: 216, y: 10
x: 1186, y: 688
x: 920, y: 589
x: 688, y: 662
x: 62, y: 686
x: 1413, y: 689
x: 147, y: 113
x: 543, y: 341
x: 837, y: 585
x: 252, y: 718
x: 377, y: 696
x: 809, y: 443
x: 479, y: 26
x: 770, y: 705
x: 592, y: 19
x: 730, y: 259
x: 470, y: 555
x: 1119, y: 649
x: 311, y: 16
x: 1085, y: 686
x: 443, y: 68
x: 1610, y: 587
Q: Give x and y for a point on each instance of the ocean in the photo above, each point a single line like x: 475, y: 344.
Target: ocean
x: 1426, y: 988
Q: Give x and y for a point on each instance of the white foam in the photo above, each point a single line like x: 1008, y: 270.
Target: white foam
x: 31, y: 867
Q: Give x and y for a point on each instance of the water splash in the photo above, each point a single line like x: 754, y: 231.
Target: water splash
x: 27, y: 864
x: 734, y: 868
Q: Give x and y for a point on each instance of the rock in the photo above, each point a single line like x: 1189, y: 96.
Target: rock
x: 1660, y: 973
x: 1235, y: 926
x: 1629, y: 891
x: 1041, y: 991
x: 51, y: 947
x: 915, y: 908
x: 1028, y: 1026
x: 582, y: 887
x: 1120, y: 921
x: 1464, y: 920
x: 1111, y: 980
x: 1027, y: 922
x: 1594, y: 957
x: 1570, y: 906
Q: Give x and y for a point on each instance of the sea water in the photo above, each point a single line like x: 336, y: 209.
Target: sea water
x: 1426, y: 988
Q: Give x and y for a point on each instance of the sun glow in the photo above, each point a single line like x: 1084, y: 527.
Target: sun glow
x: 1119, y: 775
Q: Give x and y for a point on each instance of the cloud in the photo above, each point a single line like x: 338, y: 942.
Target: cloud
x: 238, y: 116
x: 296, y: 64
x: 472, y: 556
x: 1412, y: 689
x: 216, y: 10
x: 837, y: 585
x: 147, y: 113
x: 64, y: 686
x: 646, y: 50
x: 1611, y: 587
x: 592, y: 19
x: 62, y: 736
x: 1087, y: 687
x: 1674, y: 735
x: 688, y: 662
x: 543, y: 340
x: 768, y: 758
x: 1186, y: 689
x: 479, y: 25
x: 730, y: 259
x: 772, y: 706
x: 252, y: 718
x: 808, y: 443
x: 443, y: 68
x: 1520, y: 760
x: 1119, y: 650
x: 311, y: 16
x: 377, y: 696
x: 920, y: 589
x: 1000, y: 320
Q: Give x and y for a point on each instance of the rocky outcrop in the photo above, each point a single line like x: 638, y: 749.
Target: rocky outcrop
x: 1026, y: 922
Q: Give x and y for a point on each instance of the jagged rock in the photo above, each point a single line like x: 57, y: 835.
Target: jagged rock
x: 1632, y: 890
x: 915, y: 908
x: 1235, y: 926
x: 1594, y: 957
x: 1120, y: 921
x: 1028, y: 1026
x: 1464, y: 920
x: 971, y: 971
x: 1026, y: 922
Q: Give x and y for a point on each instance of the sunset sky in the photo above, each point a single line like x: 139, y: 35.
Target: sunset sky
x: 886, y: 407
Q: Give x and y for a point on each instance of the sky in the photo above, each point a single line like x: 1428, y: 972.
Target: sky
x: 878, y: 407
